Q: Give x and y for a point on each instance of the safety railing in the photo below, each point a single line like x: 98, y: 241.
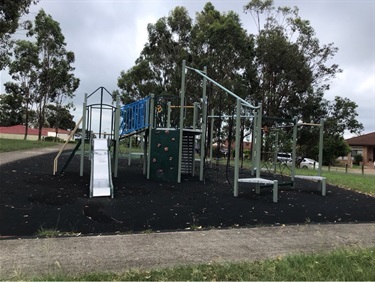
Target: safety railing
x: 134, y: 117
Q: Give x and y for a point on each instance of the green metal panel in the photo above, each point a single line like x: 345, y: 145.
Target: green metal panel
x: 164, y: 155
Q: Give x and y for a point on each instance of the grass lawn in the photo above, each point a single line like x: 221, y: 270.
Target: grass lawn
x: 8, y: 145
x: 344, y: 264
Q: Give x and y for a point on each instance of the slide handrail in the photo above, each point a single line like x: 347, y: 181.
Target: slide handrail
x: 56, y: 160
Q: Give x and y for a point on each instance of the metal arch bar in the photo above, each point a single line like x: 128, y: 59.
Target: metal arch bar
x: 225, y: 89
x: 310, y: 124
x: 102, y: 88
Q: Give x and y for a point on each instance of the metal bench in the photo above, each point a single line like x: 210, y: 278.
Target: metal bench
x: 259, y: 181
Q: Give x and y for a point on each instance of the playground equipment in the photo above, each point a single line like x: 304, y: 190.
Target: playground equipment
x: 170, y: 151
x: 101, y: 175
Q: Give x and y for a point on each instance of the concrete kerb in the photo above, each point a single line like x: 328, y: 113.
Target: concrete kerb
x: 117, y: 253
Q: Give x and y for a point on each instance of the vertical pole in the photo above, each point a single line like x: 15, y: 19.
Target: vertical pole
x: 237, y: 148
x: 101, y: 112
x: 211, y: 135
x: 91, y: 134
x: 295, y: 128
x: 182, y: 104
x: 152, y: 105
x: 321, y: 147
x: 204, y: 126
x: 195, y: 113
x: 253, y: 143
x: 130, y: 150
x: 116, y: 135
x: 259, y: 140
x: 169, y: 109
x: 276, y: 150
x: 83, y: 135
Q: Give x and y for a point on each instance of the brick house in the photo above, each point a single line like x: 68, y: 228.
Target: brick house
x: 363, y: 145
x: 18, y: 132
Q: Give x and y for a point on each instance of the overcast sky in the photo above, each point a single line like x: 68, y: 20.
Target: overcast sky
x: 107, y: 36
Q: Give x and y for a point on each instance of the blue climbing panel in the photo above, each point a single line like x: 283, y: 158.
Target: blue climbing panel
x: 134, y: 117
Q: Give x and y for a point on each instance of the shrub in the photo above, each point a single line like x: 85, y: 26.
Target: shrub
x: 53, y: 139
x: 358, y: 159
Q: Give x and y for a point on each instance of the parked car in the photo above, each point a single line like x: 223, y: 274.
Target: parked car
x: 307, y: 163
x: 284, y: 157
x: 77, y: 137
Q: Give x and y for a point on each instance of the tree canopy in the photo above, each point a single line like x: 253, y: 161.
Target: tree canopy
x: 42, y: 70
x: 284, y: 66
x: 11, y: 12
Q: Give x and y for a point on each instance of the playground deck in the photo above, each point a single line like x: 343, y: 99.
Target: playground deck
x: 34, y: 199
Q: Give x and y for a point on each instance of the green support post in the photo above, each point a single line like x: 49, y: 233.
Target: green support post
x: 237, y: 148
x: 259, y: 140
x: 195, y: 117
x: 211, y: 135
x: 321, y: 147
x: 182, y: 104
x: 151, y: 116
x: 130, y: 150
x: 169, y: 109
x: 295, y: 127
x: 84, y: 113
x: 116, y: 136
x: 275, y: 151
x: 253, y: 143
x: 204, y: 126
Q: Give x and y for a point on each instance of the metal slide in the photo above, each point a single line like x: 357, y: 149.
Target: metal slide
x: 101, y: 175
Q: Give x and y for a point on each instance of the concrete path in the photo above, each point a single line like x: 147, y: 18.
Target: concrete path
x: 117, y: 253
x: 7, y: 157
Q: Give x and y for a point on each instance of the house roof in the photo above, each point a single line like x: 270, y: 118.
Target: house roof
x: 362, y: 140
x: 20, y: 129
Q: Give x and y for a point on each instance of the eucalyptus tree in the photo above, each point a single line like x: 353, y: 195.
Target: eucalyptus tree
x: 55, y: 78
x: 292, y: 64
x: 294, y: 72
x: 340, y: 115
x: 11, y: 12
x: 220, y: 42
x: 64, y: 120
x: 158, y: 68
x: 215, y: 40
x: 11, y: 105
x: 24, y: 70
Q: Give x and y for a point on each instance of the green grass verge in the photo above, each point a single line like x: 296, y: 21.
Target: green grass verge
x: 352, y: 181
x: 8, y: 145
x: 354, y: 265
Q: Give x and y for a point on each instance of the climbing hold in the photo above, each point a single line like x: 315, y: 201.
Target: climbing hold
x: 154, y: 160
x: 166, y: 149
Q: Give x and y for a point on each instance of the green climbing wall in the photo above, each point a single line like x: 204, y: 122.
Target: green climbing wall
x: 164, y: 155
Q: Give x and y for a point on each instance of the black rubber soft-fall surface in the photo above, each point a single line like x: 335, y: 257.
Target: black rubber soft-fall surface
x: 31, y: 198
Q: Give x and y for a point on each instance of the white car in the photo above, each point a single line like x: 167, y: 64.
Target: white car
x: 307, y: 163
